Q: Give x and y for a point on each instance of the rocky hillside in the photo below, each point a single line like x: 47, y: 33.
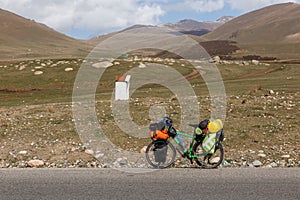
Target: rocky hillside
x: 23, y: 38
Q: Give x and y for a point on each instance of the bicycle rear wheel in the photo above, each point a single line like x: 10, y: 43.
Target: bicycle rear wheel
x: 208, y: 161
x: 160, y: 154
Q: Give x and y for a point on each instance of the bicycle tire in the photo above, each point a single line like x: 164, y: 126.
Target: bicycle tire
x: 208, y: 161
x: 152, y: 154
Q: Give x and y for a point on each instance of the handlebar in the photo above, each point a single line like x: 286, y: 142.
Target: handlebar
x: 168, y: 120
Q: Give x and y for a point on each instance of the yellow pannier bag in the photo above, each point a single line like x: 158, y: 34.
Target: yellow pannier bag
x: 209, y: 142
x: 215, y: 125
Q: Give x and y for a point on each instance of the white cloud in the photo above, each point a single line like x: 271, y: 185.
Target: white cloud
x: 255, y: 4
x: 204, y: 5
x: 215, y: 5
x: 197, y: 5
x: 103, y: 16
x: 96, y: 15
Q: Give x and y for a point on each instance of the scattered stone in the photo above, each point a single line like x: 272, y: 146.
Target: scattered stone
x: 285, y: 156
x: 142, y: 65
x: 245, y: 63
x: 273, y: 164
x: 122, y: 161
x: 143, y: 150
x: 99, y: 155
x: 89, y: 151
x: 22, y: 152
x: 104, y: 64
x: 38, y: 72
x: 22, y: 164
x: 22, y: 67
x: 68, y: 69
x: 255, y: 62
x: 251, y: 151
x: 217, y: 59
x: 262, y: 155
x: 257, y: 163
x: 271, y: 92
x: 251, y: 165
x: 215, y: 160
x: 35, y: 163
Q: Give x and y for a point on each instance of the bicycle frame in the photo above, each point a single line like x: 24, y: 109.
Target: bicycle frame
x: 190, y: 154
x: 190, y: 149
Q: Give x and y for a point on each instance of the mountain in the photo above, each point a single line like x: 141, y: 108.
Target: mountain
x: 193, y: 27
x: 271, y: 30
x: 22, y: 38
x: 276, y: 23
x: 187, y: 26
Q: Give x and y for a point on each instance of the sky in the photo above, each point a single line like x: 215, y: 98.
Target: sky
x: 84, y: 19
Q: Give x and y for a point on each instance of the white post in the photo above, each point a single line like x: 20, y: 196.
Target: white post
x: 122, y: 88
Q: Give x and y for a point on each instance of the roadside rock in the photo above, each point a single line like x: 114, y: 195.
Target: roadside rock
x: 143, y: 150
x: 35, y: 163
x: 257, y: 163
x: 89, y: 151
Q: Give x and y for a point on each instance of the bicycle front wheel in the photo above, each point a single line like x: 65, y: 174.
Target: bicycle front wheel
x: 206, y: 160
x: 160, y: 154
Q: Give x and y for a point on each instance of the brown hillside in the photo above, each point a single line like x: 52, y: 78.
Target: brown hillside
x: 270, y: 31
x: 22, y: 38
x: 277, y: 23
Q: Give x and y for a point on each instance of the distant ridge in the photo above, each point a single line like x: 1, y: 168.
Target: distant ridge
x: 277, y: 23
x: 25, y: 39
x: 273, y: 31
x: 186, y: 26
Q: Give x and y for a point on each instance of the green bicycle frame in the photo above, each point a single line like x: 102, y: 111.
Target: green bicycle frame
x: 189, y: 154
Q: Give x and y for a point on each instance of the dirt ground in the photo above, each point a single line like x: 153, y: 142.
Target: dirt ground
x: 260, y: 127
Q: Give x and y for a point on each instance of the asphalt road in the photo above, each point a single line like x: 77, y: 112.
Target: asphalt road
x: 160, y: 184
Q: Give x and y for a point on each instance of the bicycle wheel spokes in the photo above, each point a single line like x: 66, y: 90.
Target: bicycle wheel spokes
x: 208, y: 161
x: 160, y: 154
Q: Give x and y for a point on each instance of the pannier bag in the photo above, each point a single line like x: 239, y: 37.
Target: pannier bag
x: 160, y: 152
x: 199, y: 135
x: 209, y: 142
x: 216, y: 132
x: 157, y: 134
x: 220, y: 135
x: 215, y: 126
x: 157, y: 131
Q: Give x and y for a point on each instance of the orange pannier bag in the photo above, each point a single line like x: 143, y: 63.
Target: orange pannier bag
x: 160, y: 134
